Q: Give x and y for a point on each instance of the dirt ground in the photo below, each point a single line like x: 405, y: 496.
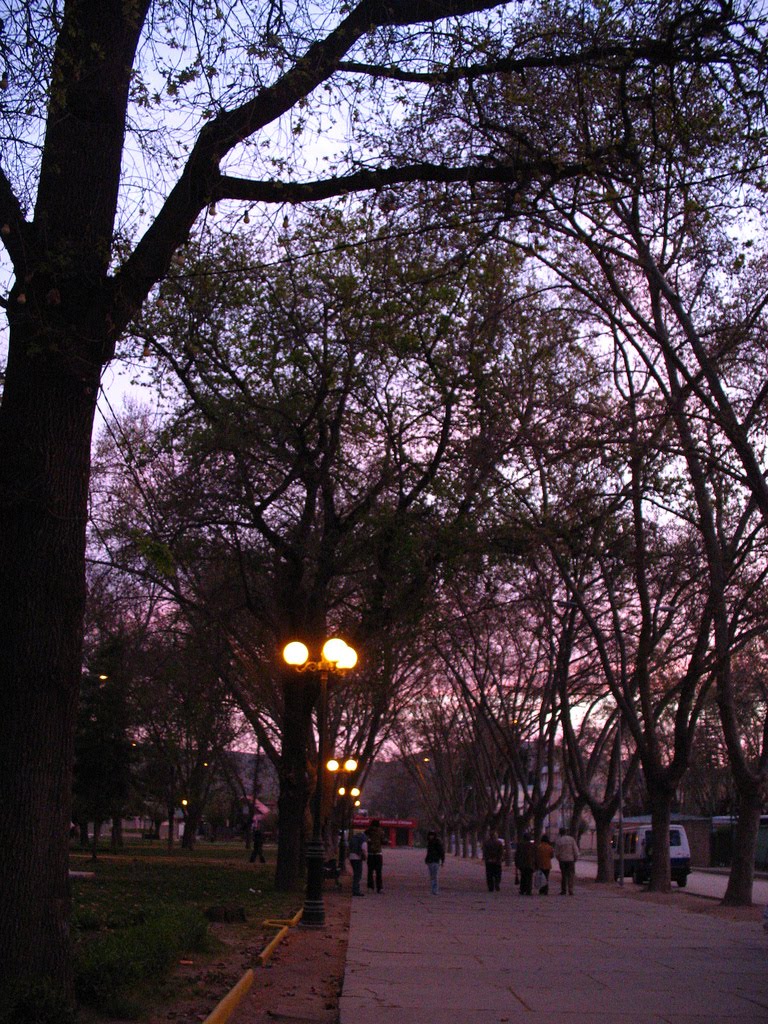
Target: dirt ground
x: 700, y: 905
x: 301, y: 982
x: 304, y: 977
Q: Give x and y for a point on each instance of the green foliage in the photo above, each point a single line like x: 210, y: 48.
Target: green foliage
x: 141, y: 911
x: 35, y: 1002
x: 108, y: 970
x: 157, y: 554
x: 102, y: 746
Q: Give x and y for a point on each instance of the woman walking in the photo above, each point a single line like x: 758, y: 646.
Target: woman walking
x: 434, y: 858
x: 544, y: 854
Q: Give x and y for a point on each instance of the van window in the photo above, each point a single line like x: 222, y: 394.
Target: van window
x: 630, y: 842
x: 674, y: 838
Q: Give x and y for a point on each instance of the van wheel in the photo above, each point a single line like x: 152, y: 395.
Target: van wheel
x: 682, y: 882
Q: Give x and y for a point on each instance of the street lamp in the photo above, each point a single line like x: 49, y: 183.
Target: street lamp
x: 621, y: 804
x: 344, y: 769
x: 336, y: 657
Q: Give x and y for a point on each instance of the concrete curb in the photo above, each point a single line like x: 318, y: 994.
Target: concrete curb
x: 284, y: 925
x: 231, y: 1000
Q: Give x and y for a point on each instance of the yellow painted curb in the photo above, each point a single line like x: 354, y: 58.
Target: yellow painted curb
x: 284, y: 925
x: 290, y: 921
x: 269, y: 949
x: 231, y: 1000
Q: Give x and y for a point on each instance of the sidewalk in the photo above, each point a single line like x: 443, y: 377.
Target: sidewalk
x: 605, y: 955
x: 710, y: 882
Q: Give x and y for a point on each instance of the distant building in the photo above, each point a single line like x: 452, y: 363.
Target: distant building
x: 400, y: 831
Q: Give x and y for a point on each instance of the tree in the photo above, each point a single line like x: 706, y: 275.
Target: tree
x: 501, y: 667
x: 193, y: 92
x: 660, y: 242
x: 102, y: 748
x: 668, y: 232
x: 185, y: 722
x: 322, y: 457
x: 682, y: 283
x: 79, y: 78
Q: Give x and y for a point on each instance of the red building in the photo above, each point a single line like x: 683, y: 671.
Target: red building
x: 400, y: 831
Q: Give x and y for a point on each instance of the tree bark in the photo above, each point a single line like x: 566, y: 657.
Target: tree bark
x: 171, y: 822
x: 739, y: 890
x: 603, y: 841
x: 191, y: 824
x: 61, y: 334
x: 45, y: 434
x: 116, y: 834
x: 292, y: 774
x: 660, y: 799
x: 96, y: 837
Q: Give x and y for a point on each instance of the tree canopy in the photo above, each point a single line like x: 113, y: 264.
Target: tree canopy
x: 127, y: 123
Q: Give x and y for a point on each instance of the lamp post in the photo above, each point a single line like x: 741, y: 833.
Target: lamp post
x: 344, y: 769
x: 621, y: 804
x: 336, y: 657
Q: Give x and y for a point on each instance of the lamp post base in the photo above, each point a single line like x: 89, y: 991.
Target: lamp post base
x: 313, y: 915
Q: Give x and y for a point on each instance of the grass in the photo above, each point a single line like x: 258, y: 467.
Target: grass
x: 145, y: 908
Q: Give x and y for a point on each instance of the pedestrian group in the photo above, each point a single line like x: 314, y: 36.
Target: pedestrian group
x: 533, y: 860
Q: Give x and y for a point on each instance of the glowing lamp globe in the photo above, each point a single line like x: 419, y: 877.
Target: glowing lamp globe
x: 348, y: 658
x: 333, y: 650
x: 295, y: 653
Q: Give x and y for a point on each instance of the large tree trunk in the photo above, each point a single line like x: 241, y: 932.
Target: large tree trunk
x: 292, y: 774
x: 171, y: 822
x: 291, y: 806
x: 61, y: 333
x: 507, y: 836
x: 116, y: 835
x: 661, y: 801
x: 45, y: 435
x: 191, y: 825
x: 96, y: 837
x: 604, y: 850
x: 739, y: 890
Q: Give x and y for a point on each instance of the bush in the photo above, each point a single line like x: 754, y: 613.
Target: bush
x: 107, y: 968
x: 86, y: 920
x: 34, y: 1003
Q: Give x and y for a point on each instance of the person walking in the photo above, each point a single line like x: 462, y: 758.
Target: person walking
x: 567, y: 853
x: 375, y: 835
x: 525, y: 862
x: 434, y: 859
x: 357, y: 853
x: 257, y: 839
x: 544, y: 853
x: 493, y: 855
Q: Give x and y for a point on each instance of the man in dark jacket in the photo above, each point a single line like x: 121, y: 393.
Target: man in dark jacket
x: 525, y: 862
x: 493, y: 855
x: 375, y: 836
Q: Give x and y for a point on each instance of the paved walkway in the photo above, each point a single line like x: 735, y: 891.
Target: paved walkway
x: 468, y: 956
x: 710, y: 882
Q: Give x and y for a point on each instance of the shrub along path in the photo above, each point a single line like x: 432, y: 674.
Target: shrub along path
x: 305, y: 971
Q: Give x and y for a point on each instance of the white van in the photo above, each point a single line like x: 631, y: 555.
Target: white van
x: 638, y: 838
